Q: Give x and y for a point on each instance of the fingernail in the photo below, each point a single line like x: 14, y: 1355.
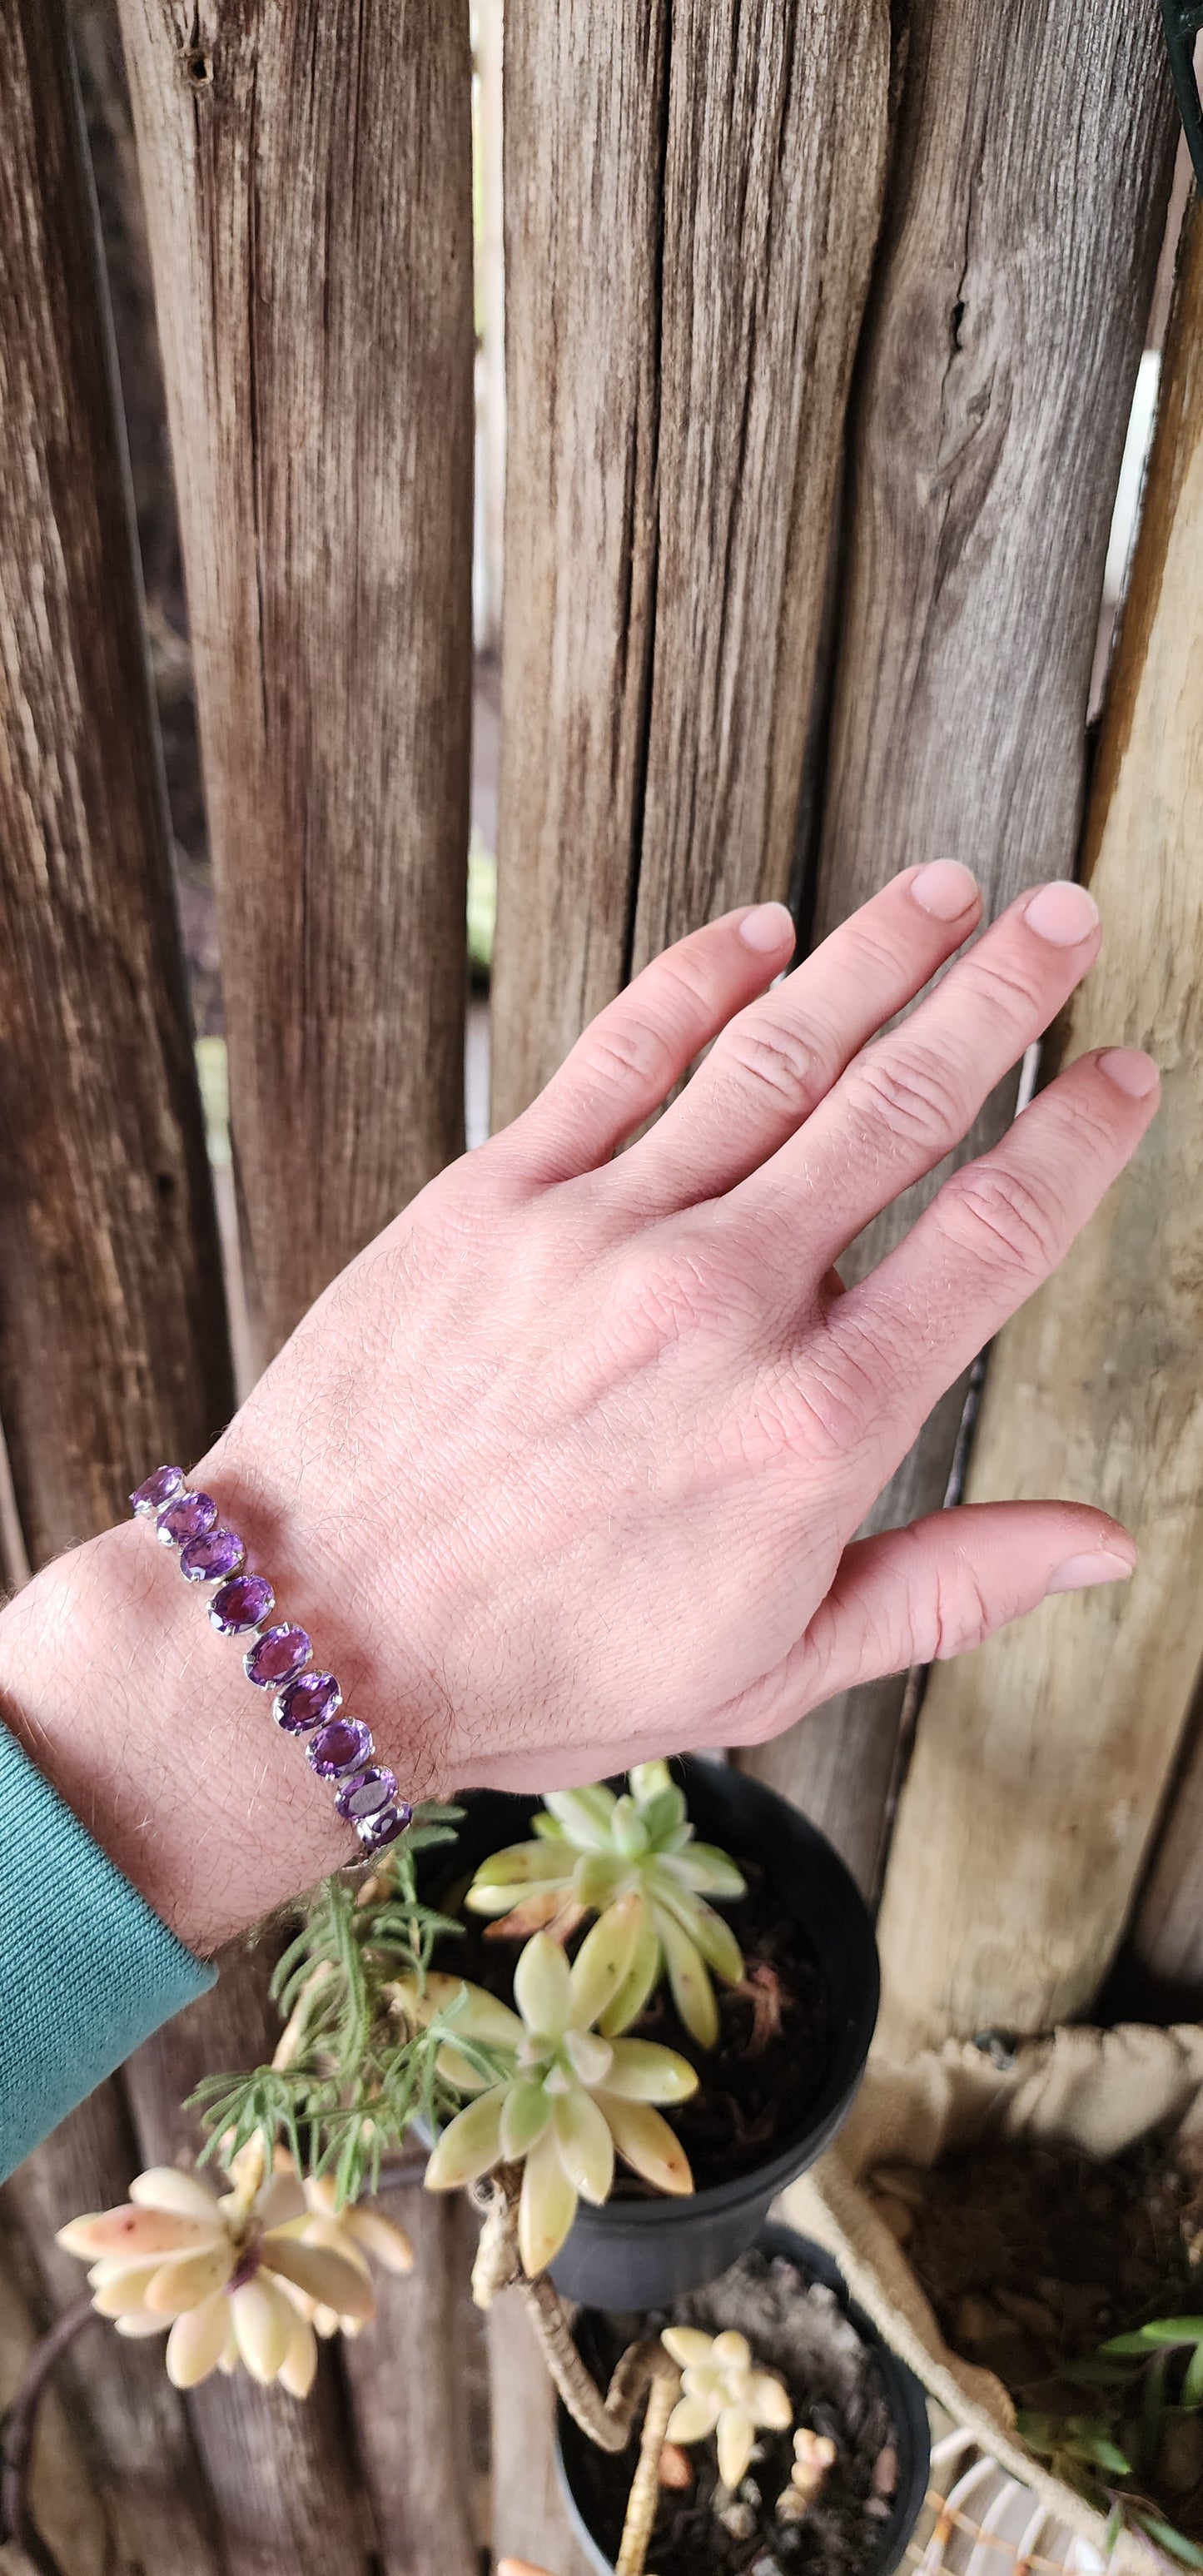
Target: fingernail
x: 945, y: 889
x: 1101, y: 1566
x: 1130, y: 1071
x: 1063, y: 914
x: 768, y: 927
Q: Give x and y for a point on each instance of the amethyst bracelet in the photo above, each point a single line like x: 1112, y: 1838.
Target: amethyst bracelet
x: 277, y: 1658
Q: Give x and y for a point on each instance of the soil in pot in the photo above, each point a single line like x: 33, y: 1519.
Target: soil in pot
x: 797, y: 2327
x: 774, y: 2049
x: 1034, y: 2256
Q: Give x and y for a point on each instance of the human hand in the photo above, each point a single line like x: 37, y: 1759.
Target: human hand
x: 564, y: 1469
x: 583, y: 1441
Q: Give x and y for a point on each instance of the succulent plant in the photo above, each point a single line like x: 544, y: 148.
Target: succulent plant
x: 722, y: 2392
x: 244, y: 2278
x: 591, y: 1850
x: 550, y: 2092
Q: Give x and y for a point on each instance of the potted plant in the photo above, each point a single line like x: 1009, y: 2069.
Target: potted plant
x: 791, y: 2436
x: 1026, y: 2224
x: 772, y: 2001
x: 622, y: 2017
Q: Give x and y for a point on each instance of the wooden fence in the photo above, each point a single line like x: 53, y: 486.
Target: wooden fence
x: 822, y: 318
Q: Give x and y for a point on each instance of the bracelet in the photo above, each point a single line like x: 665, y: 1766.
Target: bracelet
x: 306, y: 1703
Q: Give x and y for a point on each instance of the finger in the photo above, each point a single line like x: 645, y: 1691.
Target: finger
x: 993, y: 1233
x: 908, y: 1099
x: 938, y: 1588
x: 630, y: 1056
x: 776, y: 1061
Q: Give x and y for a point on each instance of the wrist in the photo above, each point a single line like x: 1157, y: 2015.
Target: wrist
x: 141, y: 1715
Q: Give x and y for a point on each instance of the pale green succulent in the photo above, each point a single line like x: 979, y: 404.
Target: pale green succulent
x: 550, y: 2092
x: 591, y: 1850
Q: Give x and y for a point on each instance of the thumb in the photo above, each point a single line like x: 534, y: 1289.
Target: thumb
x: 946, y: 1583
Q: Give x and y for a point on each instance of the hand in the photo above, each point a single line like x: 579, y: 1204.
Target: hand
x: 564, y: 1470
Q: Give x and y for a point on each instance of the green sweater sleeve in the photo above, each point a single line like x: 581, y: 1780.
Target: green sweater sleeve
x: 89, y: 1970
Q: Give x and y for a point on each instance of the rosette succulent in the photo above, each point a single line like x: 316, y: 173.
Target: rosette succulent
x: 723, y: 2392
x: 244, y: 2278
x: 591, y: 1850
x: 550, y: 2091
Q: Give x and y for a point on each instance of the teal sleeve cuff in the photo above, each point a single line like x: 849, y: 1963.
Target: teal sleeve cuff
x: 89, y: 1970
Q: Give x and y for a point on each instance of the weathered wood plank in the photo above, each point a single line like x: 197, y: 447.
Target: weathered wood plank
x: 529, y: 2520
x: 307, y: 173
x: 125, y: 2416
x: 1025, y: 214
x: 419, y: 2403
x: 692, y: 199
x: 112, y: 1332
x: 112, y: 1336
x: 1159, y: 1973
x: 283, y: 2475
x: 64, y: 2501
x: 1040, y: 1761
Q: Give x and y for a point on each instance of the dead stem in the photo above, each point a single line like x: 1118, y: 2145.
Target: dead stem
x: 645, y: 2485
x: 606, y: 2421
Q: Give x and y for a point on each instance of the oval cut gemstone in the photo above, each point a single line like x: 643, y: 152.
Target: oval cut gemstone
x: 190, y: 1516
x: 307, y: 1702
x: 244, y: 1602
x: 276, y: 1656
x: 211, y: 1558
x: 366, y: 1792
x: 158, y: 1489
x: 376, y: 1831
x: 344, y: 1745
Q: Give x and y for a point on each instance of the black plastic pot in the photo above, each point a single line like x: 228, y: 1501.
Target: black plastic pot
x: 907, y: 2403
x: 645, y: 2253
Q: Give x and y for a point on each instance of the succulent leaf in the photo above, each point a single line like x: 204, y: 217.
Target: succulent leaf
x: 641, y: 2071
x: 263, y: 2318
x: 543, y: 1988
x: 706, y: 1869
x: 526, y: 2113
x: 647, y: 1960
x: 584, y: 1814
x: 648, y: 1779
x: 585, y: 2144
x: 686, y: 2345
x: 647, y: 2144
x: 599, y: 1878
x: 692, y: 1991
x: 197, y: 2341
x: 546, y: 2208
x: 323, y: 2274
x: 603, y: 1961
x: 708, y: 1933
x: 469, y: 2145
x: 736, y: 2437
x: 185, y: 2278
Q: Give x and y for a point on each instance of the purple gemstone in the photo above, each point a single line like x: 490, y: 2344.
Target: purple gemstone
x: 376, y: 1831
x: 244, y: 1602
x: 366, y: 1792
x: 307, y: 1702
x: 276, y: 1656
x: 158, y: 1489
x: 344, y: 1745
x: 190, y: 1516
x: 211, y: 1558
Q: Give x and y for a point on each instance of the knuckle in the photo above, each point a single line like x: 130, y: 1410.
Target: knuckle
x: 626, y: 1053
x: 902, y: 1088
x: 774, y: 1063
x: 1001, y: 1217
x: 819, y: 1404
x: 673, y: 1295
x: 988, y: 980
x: 961, y: 1616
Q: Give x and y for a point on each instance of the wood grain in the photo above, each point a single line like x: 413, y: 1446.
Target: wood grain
x: 130, y: 2426
x: 283, y: 2476
x: 1040, y: 1760
x: 307, y: 172
x: 692, y: 199
x: 419, y: 2397
x: 529, y: 2518
x: 1025, y: 215
x: 112, y: 1330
